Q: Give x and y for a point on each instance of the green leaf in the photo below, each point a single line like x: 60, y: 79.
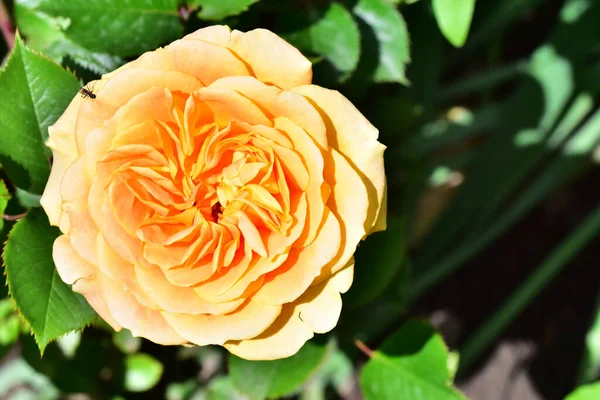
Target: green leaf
x: 329, y: 32
x: 142, y: 372
x: 43, y: 299
x: 411, y: 364
x: 221, y: 388
x: 454, y: 19
x: 377, y: 261
x: 262, y: 379
x: 35, y: 91
x: 46, y: 34
x: 4, y: 198
x: 392, y: 46
x: 121, y: 28
x: 588, y: 392
x: 214, y: 10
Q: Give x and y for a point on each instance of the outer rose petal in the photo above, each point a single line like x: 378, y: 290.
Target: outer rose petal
x: 282, y: 339
x: 248, y: 321
x: 352, y: 135
x: 64, y: 151
x: 129, y: 313
x: 272, y: 59
x: 317, y: 310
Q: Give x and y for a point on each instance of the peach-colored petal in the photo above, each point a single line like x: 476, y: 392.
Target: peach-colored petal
x: 271, y: 58
x: 280, y: 103
x: 217, y: 34
x: 130, y: 314
x: 248, y: 321
x: 282, y: 339
x: 82, y: 230
x: 119, y: 270
x: 352, y: 135
x: 178, y: 299
x: 117, y: 91
x: 320, y: 306
x: 289, y: 281
x: 351, y: 211
x: 70, y: 266
x: 61, y: 139
x: 90, y: 289
x: 228, y: 105
x: 199, y: 58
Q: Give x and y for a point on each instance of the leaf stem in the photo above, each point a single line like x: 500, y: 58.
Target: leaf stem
x: 535, y: 283
x: 363, y: 347
x: 12, y: 217
x: 6, y: 26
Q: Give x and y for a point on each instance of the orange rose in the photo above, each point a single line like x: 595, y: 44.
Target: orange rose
x: 209, y: 194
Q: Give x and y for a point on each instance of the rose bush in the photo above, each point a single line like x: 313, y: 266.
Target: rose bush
x: 209, y: 194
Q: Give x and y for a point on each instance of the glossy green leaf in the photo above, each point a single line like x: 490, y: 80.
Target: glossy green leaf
x: 142, y: 372
x: 46, y: 34
x: 391, y: 45
x: 35, y: 92
x: 214, y: 10
x: 411, y: 364
x: 43, y: 299
x: 377, y: 260
x: 267, y: 379
x: 4, y: 198
x: 329, y: 32
x: 588, y: 392
x: 118, y: 27
x: 454, y: 19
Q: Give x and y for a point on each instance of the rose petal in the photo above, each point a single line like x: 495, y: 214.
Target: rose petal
x: 248, y: 321
x: 352, y: 135
x: 130, y: 314
x: 70, y: 266
x: 61, y: 139
x: 271, y: 58
x: 289, y: 281
x: 282, y: 339
x: 178, y: 299
x: 280, y: 103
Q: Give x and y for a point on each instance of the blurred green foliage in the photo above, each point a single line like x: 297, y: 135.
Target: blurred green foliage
x: 488, y: 108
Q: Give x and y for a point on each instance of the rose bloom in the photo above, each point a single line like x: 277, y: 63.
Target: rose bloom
x: 209, y: 194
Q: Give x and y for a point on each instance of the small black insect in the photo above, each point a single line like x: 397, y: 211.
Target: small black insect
x: 87, y: 92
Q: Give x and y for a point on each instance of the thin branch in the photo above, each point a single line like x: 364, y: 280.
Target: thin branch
x: 12, y: 217
x: 363, y: 347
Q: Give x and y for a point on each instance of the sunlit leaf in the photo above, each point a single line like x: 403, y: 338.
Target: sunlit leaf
x: 35, y: 92
x: 454, y: 19
x: 215, y: 10
x: 4, y: 198
x: 331, y: 33
x: 142, y: 372
x: 386, y: 46
x: 43, y: 299
x: 411, y: 364
x: 121, y: 28
x: 589, y: 392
